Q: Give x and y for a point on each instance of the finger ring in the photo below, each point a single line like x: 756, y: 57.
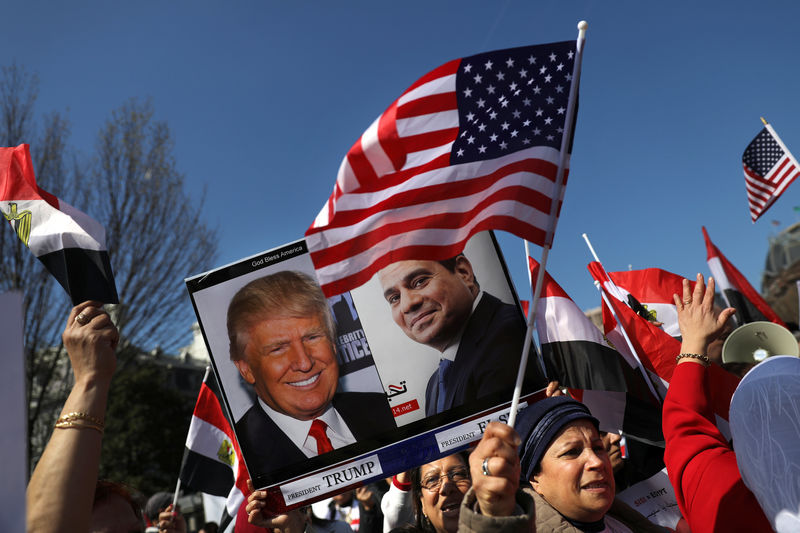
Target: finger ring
x: 687, y: 302
x: 81, y: 319
x: 485, y: 467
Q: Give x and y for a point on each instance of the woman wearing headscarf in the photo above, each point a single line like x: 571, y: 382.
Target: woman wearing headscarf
x: 701, y: 464
x: 566, y: 462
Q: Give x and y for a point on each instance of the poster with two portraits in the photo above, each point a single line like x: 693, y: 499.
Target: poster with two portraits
x: 405, y: 369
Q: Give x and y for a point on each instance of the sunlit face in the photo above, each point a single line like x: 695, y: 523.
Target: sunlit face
x: 428, y: 302
x: 114, y: 515
x: 575, y: 476
x: 613, y: 444
x: 442, y: 505
x: 292, y: 365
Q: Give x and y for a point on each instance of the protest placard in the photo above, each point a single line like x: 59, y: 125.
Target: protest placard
x: 321, y: 409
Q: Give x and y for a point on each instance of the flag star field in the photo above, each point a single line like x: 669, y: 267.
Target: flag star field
x: 512, y: 99
x: 763, y: 153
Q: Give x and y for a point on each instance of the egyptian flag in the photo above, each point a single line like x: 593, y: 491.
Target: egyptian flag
x: 738, y: 293
x: 577, y: 355
x: 212, y: 460
x: 657, y: 349
x: 574, y: 350
x: 649, y: 293
x: 69, y: 243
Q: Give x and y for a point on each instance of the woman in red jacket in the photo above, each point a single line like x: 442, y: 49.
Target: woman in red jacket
x: 700, y: 462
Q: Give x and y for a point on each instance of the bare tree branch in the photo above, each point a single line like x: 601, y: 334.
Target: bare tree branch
x: 155, y: 235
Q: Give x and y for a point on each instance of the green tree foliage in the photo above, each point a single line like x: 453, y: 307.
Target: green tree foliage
x: 146, y: 425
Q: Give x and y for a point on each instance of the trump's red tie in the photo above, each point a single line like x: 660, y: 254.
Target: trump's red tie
x: 317, y: 431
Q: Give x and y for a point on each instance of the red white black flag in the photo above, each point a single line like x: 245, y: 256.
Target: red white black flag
x: 657, y: 350
x: 738, y: 293
x: 577, y: 355
x: 212, y: 460
x: 69, y: 243
x: 649, y: 292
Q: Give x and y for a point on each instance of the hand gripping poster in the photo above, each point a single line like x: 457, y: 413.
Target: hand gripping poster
x: 328, y: 394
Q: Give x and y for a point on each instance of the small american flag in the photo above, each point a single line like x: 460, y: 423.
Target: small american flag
x: 768, y: 169
x: 472, y: 145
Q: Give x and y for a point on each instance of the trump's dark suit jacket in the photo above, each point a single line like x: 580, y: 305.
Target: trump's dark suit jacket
x: 487, y: 359
x: 266, y: 447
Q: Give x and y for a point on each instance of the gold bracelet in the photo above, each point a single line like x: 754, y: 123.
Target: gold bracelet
x: 706, y: 362
x: 75, y: 415
x: 76, y: 425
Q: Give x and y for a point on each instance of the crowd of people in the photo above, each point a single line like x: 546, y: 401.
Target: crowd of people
x: 554, y: 471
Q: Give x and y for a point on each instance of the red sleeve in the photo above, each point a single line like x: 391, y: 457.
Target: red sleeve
x: 700, y: 463
x: 405, y: 487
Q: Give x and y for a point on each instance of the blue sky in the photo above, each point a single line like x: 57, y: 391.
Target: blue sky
x: 264, y: 98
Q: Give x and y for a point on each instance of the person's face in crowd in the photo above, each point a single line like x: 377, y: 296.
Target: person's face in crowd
x: 428, y: 302
x: 114, y: 515
x: 613, y: 444
x: 575, y: 475
x: 292, y: 364
x: 441, y: 503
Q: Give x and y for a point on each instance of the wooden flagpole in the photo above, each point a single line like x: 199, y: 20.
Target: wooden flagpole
x: 557, y: 193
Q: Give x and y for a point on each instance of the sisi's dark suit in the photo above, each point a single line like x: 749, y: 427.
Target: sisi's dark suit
x: 487, y: 359
x: 266, y: 447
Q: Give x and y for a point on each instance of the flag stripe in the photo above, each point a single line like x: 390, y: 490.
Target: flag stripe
x: 389, y: 138
x: 80, y: 271
x: 211, y: 476
x: 379, y: 161
x: 653, y: 289
x: 355, y: 274
x: 206, y: 439
x: 439, y: 80
x: 427, y: 123
x: 19, y: 183
x: 443, y: 228
x: 423, y: 157
x: 54, y: 229
x: 423, y: 141
x: 452, y: 182
x: 432, y: 103
x: 359, y: 163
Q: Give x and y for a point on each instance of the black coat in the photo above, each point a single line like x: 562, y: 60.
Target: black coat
x: 266, y: 447
x: 487, y: 359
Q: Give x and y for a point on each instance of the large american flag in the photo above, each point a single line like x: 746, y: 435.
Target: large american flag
x: 472, y: 145
x: 768, y: 169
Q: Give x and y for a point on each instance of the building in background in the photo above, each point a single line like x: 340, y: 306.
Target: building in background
x: 781, y: 272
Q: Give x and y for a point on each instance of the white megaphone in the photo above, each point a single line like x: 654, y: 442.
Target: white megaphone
x: 754, y: 342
